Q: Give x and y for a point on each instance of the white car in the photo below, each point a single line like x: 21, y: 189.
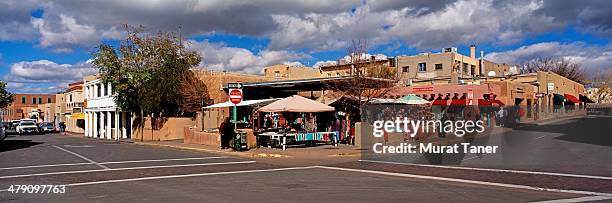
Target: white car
x: 27, y: 127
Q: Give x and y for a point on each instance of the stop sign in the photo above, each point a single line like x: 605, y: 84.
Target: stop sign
x: 235, y: 96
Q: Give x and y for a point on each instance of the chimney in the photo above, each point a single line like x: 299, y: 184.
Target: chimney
x: 473, y: 51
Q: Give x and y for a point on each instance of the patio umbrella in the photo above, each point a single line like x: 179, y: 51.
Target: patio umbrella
x: 413, y: 99
x: 296, y: 103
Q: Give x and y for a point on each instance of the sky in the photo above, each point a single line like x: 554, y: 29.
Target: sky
x: 44, y: 44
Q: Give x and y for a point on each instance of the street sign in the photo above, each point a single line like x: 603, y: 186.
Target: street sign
x: 551, y: 86
x: 235, y: 96
x: 234, y: 85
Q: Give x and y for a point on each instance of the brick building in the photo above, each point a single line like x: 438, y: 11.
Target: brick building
x: 23, y: 104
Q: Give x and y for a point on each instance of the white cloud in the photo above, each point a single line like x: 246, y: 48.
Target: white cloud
x: 460, y: 22
x: 306, y: 25
x: 68, y: 32
x: 44, y: 76
x: 592, y: 57
x: 45, y: 71
x: 15, y: 18
x: 217, y: 56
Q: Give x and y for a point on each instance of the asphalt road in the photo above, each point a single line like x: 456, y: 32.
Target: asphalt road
x: 576, y: 146
x: 103, y: 171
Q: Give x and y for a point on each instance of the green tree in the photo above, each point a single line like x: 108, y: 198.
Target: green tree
x: 6, y: 98
x: 146, y: 71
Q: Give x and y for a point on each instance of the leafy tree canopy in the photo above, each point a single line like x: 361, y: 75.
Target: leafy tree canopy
x: 6, y: 98
x: 147, y: 71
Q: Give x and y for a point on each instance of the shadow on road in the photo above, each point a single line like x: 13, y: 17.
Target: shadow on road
x: 9, y: 145
x: 594, y: 131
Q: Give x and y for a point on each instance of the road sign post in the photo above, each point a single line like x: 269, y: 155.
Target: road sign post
x: 235, y: 96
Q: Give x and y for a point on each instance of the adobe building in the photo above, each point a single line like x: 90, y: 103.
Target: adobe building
x: 23, y: 104
x: 550, y: 88
x: 368, y: 67
x: 73, y: 110
x: 287, y: 72
x: 446, y: 65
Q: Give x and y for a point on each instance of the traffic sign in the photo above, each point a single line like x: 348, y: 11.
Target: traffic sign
x: 234, y: 85
x: 235, y: 96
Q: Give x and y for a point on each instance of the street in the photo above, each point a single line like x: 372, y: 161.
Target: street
x: 98, y: 170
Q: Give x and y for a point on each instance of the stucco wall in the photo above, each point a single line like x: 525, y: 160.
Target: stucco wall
x: 172, y: 129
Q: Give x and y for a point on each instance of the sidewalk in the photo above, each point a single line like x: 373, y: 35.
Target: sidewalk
x: 315, y: 152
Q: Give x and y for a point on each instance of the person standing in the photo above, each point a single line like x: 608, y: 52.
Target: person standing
x: 227, y: 129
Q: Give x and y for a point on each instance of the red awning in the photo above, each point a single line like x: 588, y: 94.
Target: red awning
x: 483, y: 102
x: 458, y: 102
x: 571, y: 98
x: 495, y: 101
x: 439, y: 102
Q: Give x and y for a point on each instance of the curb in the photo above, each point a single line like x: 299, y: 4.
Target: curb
x: 232, y: 153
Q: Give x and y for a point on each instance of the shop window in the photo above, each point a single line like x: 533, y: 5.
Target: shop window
x: 439, y: 66
x: 422, y: 67
x: 405, y: 69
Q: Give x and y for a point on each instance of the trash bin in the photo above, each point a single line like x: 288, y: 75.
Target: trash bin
x: 240, y: 140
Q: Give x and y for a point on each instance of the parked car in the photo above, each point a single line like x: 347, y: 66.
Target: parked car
x: 10, y: 127
x: 46, y: 127
x: 27, y: 126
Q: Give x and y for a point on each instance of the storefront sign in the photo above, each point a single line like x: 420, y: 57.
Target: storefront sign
x: 423, y: 89
x: 551, y: 86
x: 235, y: 96
x: 539, y: 95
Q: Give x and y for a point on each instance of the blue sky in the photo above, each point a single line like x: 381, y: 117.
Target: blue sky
x: 45, y: 45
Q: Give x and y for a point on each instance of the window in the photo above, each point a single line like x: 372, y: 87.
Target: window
x: 33, y: 100
x: 23, y: 100
x: 465, y: 68
x: 48, y: 100
x: 40, y: 100
x: 405, y: 69
x: 438, y: 66
x: 70, y: 98
x: 276, y: 74
x: 422, y: 67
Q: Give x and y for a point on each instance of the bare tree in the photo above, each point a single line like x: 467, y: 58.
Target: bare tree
x: 368, y: 80
x: 561, y: 66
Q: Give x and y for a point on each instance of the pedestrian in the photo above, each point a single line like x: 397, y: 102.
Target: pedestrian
x: 443, y: 120
x: 62, y: 127
x: 228, y: 133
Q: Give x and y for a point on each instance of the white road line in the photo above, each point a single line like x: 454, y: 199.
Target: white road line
x: 184, y: 176
x: 43, y: 166
x: 494, y: 170
x: 579, y: 199
x: 82, y: 157
x: 123, y: 169
x: 79, y: 146
x: 113, y: 162
x: 537, y: 138
x: 470, y: 158
x: 162, y: 160
x: 467, y: 181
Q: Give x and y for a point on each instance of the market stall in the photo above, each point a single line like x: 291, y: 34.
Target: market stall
x: 292, y: 119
